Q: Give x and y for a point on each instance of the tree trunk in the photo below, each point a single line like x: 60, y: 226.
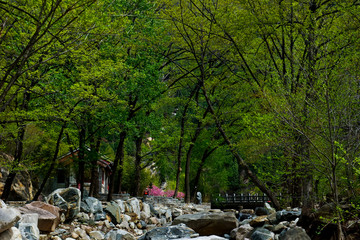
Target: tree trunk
x: 136, y: 186
x: 17, y: 160
x: 81, y: 160
x: 205, y: 155
x: 53, y: 163
x: 117, y: 161
x: 95, y: 148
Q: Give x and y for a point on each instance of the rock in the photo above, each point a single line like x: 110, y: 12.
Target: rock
x: 144, y: 216
x: 48, y: 215
x: 262, y: 234
x: 121, y: 204
x: 146, y: 208
x: 68, y: 199
x: 207, y: 223
x: 11, y: 234
x: 154, y: 220
x: 30, y: 218
x: 119, y: 235
x: 278, y: 228
x: 94, y: 205
x: 272, y: 218
x: 81, y: 233
x: 241, y: 232
x: 261, y: 211
x: 135, y: 206
x: 259, y: 221
x: 269, y: 208
x: 243, y: 216
x: 285, y: 215
x: 2, y: 204
x: 114, y: 211
x: 21, y: 188
x: 97, y: 235
x: 84, y: 207
x: 100, y: 216
x: 171, y: 232
x: 177, y: 212
x: 82, y: 217
x: 8, y: 218
x: 29, y: 231
x: 141, y: 225
x: 212, y: 237
x: 296, y: 233
x: 248, y: 211
x: 124, y: 224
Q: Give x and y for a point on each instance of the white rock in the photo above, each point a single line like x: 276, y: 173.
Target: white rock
x: 29, y: 231
x: 30, y: 218
x: 146, y: 208
x: 81, y: 233
x: 135, y: 206
x: 2, y: 204
x: 121, y: 205
x: 123, y: 224
x: 8, y: 218
x: 11, y: 234
x: 126, y: 217
x: 97, y: 235
x: 56, y: 238
x: 132, y: 225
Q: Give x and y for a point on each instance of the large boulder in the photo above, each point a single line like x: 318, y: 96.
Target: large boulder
x: 8, y: 218
x: 67, y: 199
x: 48, y: 215
x: 296, y: 233
x: 207, y: 223
x: 22, y: 188
x: 171, y: 232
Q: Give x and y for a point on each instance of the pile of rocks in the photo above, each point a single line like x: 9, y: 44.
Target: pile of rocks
x: 267, y: 224
x: 65, y: 216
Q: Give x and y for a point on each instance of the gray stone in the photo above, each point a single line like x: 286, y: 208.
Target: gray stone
x: 8, y: 218
x: 287, y: 215
x: 261, y: 211
x: 269, y: 208
x: 241, y: 232
x: 67, y: 199
x: 119, y: 235
x: 171, y: 232
x: 97, y: 235
x: 94, y: 205
x: 29, y: 231
x: 134, y: 206
x: 84, y: 207
x: 146, y: 208
x: 121, y: 204
x: 296, y: 233
x: 114, y: 211
x: 262, y: 234
x: 207, y: 223
x: 100, y: 216
x: 11, y: 234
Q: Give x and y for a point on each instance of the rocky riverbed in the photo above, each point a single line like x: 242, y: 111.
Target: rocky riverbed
x: 65, y: 216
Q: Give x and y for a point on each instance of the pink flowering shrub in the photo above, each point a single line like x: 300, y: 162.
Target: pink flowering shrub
x: 155, y: 191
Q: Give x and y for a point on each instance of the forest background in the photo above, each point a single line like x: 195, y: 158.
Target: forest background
x: 207, y: 95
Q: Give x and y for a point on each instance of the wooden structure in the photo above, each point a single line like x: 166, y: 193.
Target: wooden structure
x: 238, y: 201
